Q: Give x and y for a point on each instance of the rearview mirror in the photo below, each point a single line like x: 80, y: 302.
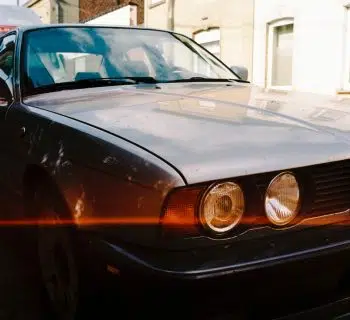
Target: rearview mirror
x: 5, y: 94
x: 242, y: 72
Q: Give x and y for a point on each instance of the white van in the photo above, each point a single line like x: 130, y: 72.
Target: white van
x: 14, y: 16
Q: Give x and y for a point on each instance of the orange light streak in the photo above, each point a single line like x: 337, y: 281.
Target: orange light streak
x: 85, y: 221
x: 174, y: 221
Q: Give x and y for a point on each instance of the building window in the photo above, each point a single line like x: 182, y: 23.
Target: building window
x: 210, y: 40
x: 280, y: 54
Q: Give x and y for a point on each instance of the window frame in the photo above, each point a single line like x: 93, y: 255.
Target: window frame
x: 155, y: 3
x: 10, y: 78
x: 270, y: 42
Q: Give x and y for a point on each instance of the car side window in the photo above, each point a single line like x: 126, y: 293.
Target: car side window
x: 7, y: 50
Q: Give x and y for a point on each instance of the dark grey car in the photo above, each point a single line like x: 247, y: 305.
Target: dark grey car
x: 162, y: 163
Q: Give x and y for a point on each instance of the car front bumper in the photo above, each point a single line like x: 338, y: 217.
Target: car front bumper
x: 313, y: 282
x: 300, y: 270
x: 222, y: 260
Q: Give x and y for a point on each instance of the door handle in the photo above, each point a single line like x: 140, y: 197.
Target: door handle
x: 22, y: 132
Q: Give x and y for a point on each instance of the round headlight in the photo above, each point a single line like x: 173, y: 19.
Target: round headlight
x: 222, y: 207
x: 282, y: 199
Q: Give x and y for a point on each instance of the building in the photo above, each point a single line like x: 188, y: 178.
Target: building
x: 55, y: 11
x: 302, y: 45
x: 225, y: 30
x: 112, y: 12
x: 123, y: 12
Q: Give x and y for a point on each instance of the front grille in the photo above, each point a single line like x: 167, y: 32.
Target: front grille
x: 331, y: 187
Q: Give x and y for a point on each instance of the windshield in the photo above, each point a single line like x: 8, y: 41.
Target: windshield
x: 56, y: 56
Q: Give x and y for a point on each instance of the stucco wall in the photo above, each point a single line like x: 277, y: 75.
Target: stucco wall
x: 234, y: 17
x: 51, y: 12
x: 319, y: 31
x: 70, y: 11
x: 43, y: 9
x: 156, y: 16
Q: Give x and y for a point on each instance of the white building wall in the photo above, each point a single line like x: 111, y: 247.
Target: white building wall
x: 125, y: 16
x: 319, y: 42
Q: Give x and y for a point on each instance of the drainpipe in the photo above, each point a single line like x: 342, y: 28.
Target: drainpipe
x: 253, y: 44
x: 171, y: 5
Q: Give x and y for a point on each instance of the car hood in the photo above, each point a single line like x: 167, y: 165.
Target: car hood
x: 211, y: 131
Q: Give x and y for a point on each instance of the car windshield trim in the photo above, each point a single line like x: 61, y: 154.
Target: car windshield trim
x: 93, y: 82
x: 203, y: 79
x: 104, y: 82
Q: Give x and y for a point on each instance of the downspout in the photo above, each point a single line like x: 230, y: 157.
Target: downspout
x: 253, y: 44
x: 53, y: 11
x: 171, y: 6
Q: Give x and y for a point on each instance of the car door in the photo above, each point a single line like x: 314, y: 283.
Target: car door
x: 7, y: 50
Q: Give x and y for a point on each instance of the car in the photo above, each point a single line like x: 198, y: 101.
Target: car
x: 139, y: 154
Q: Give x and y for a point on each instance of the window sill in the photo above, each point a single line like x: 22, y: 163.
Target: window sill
x: 153, y: 5
x: 346, y: 3
x: 343, y: 92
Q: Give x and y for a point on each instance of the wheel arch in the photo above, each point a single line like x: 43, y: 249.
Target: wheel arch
x: 33, y: 176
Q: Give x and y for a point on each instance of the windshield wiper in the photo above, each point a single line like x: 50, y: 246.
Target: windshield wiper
x: 204, y: 79
x: 92, y: 82
x: 140, y: 79
x: 112, y: 81
x: 132, y: 80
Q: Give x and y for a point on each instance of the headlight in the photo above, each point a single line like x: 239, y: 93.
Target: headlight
x: 282, y: 199
x: 222, y: 207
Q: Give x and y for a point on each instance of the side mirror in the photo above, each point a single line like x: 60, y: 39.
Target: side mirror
x: 5, y: 94
x: 242, y: 72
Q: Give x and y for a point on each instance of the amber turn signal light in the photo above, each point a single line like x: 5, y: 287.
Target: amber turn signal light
x: 180, y: 210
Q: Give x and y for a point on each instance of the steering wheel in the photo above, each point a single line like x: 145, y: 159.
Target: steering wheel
x: 179, y: 73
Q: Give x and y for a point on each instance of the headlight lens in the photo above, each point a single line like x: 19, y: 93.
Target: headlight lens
x: 222, y: 207
x: 282, y: 199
